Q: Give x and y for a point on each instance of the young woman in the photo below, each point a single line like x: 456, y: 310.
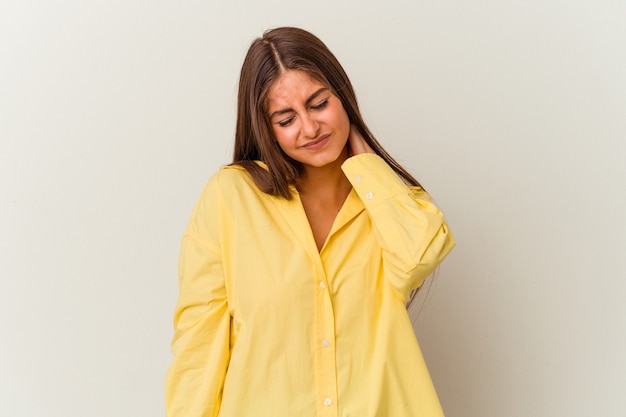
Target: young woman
x: 299, y: 257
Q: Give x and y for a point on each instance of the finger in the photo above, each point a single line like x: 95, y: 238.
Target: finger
x: 356, y: 141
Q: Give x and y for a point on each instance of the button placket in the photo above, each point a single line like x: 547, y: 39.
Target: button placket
x: 326, y: 371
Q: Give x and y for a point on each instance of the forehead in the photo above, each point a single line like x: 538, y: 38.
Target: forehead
x: 291, y: 88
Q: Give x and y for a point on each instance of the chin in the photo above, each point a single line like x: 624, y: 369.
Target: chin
x: 326, y: 160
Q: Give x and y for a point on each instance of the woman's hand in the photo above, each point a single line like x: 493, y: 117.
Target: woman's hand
x: 357, y: 143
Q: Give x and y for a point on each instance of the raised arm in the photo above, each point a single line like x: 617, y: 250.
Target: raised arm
x: 410, y: 229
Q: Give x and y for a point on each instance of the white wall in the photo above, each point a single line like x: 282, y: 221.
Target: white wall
x: 113, y: 114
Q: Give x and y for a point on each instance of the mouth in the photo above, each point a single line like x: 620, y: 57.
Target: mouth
x: 317, y: 143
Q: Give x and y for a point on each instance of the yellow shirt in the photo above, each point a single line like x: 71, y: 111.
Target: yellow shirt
x: 267, y: 326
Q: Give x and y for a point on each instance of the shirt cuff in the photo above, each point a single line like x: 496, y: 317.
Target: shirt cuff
x: 372, y: 179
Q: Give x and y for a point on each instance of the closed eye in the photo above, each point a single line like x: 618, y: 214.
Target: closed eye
x: 286, y: 122
x: 320, y: 105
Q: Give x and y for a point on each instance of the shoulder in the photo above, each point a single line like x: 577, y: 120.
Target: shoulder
x: 228, y: 181
x: 231, y: 175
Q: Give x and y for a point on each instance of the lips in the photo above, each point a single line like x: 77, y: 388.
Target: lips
x: 317, y: 143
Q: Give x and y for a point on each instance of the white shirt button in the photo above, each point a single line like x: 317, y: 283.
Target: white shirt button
x: 370, y: 195
x: 322, y: 284
x: 327, y: 401
x: 325, y: 343
x: 358, y: 178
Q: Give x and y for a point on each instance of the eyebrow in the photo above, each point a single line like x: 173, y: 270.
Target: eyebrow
x: 308, y: 100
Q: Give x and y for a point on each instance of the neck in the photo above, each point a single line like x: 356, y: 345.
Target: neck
x: 327, y: 182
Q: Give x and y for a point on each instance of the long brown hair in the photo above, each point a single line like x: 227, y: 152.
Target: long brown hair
x: 277, y: 51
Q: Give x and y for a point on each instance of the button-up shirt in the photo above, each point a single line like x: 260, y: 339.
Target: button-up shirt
x: 268, y: 326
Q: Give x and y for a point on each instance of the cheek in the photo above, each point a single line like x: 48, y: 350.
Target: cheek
x: 284, y: 139
x: 343, y: 122
x: 279, y: 134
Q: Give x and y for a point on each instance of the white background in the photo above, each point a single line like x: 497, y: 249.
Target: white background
x: 113, y: 114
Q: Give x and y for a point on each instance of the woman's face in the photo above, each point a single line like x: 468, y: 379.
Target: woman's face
x: 308, y: 120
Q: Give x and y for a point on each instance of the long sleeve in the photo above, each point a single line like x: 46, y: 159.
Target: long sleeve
x: 410, y: 229
x: 201, y: 340
x: 267, y: 325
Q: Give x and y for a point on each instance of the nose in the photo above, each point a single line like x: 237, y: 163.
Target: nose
x: 310, y: 126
